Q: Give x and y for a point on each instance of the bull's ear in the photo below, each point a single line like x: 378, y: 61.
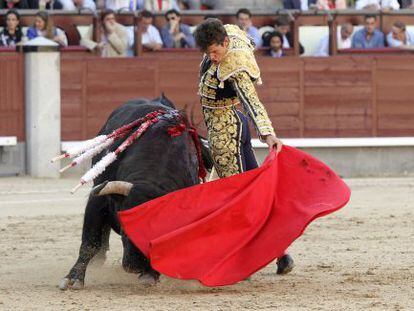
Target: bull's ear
x: 112, y: 187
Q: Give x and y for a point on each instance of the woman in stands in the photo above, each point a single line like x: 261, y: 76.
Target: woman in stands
x: 12, y: 32
x: 43, y: 27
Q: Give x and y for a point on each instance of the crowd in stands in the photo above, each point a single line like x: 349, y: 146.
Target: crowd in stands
x: 12, y: 33
x: 165, y: 5
x: 117, y: 40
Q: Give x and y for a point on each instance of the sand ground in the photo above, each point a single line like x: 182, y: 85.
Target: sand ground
x: 361, y: 257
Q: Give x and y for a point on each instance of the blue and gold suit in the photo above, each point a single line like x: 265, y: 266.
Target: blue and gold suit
x: 222, y: 87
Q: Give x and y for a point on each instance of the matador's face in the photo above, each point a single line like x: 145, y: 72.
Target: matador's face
x: 217, y: 52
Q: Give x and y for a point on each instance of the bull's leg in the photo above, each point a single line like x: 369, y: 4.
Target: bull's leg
x: 93, y: 225
x: 100, y: 257
x: 134, y: 261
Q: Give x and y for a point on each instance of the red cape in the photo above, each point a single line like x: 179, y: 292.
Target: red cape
x: 223, y: 231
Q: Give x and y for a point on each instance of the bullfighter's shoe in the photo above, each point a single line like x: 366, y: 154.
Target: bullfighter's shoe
x: 285, y: 264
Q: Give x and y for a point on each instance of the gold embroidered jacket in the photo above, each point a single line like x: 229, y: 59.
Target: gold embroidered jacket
x: 232, y: 81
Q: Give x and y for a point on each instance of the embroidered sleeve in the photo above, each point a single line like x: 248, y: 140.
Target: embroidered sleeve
x: 247, y: 95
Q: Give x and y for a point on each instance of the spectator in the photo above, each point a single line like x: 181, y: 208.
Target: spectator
x: 369, y: 37
x: 343, y: 42
x: 161, y: 5
x: 331, y: 5
x: 276, y: 43
x: 302, y: 5
x: 176, y: 34
x: 407, y: 4
x: 12, y: 32
x: 183, y: 5
x: 33, y: 4
x: 377, y: 4
x: 400, y: 36
x: 72, y: 5
x: 47, y: 4
x: 283, y: 26
x: 116, y: 5
x: 244, y: 20
x: 43, y: 27
x: 150, y: 36
x: 114, y: 38
x: 14, y: 4
x: 208, y: 4
x: 140, y: 5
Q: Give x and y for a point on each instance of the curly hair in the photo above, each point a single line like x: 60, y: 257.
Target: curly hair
x: 211, y: 31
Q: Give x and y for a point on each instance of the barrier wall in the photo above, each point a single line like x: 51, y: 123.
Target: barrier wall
x: 343, y: 96
x: 11, y: 94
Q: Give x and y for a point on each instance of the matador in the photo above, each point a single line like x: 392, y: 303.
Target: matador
x: 228, y: 74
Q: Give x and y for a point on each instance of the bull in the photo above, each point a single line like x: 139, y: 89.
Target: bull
x: 153, y: 166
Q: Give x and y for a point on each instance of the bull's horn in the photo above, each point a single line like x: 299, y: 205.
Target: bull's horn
x: 112, y: 187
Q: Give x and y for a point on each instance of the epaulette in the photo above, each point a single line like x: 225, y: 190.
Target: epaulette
x: 240, y: 56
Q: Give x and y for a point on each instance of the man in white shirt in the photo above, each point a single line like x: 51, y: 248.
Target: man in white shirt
x: 377, y: 4
x: 161, y: 5
x: 150, y: 38
x: 72, y: 5
x: 344, y: 41
x: 399, y: 35
x: 117, y: 5
x: 244, y: 20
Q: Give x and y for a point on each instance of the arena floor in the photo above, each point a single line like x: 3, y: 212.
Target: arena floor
x: 361, y: 257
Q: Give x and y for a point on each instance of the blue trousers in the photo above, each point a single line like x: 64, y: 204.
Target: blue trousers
x: 247, y: 155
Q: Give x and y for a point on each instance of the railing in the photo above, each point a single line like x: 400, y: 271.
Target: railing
x: 342, y: 96
x: 69, y: 21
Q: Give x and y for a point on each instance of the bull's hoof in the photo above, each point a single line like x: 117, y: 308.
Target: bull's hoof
x: 68, y: 283
x: 285, y: 264
x: 148, y: 279
x: 130, y: 269
x: 64, y: 284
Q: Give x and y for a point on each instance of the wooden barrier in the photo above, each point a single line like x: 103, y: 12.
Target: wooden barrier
x: 343, y: 96
x: 12, y: 94
x: 346, y: 95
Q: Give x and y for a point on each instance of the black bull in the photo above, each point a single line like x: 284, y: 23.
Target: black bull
x: 152, y: 166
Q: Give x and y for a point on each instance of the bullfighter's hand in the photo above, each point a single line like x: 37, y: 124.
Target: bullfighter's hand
x: 273, y: 142
x: 109, y: 27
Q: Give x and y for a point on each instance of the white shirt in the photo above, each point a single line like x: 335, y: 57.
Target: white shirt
x: 89, y: 4
x: 304, y: 5
x: 276, y: 54
x: 396, y: 43
x: 323, y: 47
x: 152, y: 5
x: 152, y: 35
x: 68, y: 5
x: 380, y: 4
x: 285, y: 44
x: 117, y: 4
x: 130, y: 46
